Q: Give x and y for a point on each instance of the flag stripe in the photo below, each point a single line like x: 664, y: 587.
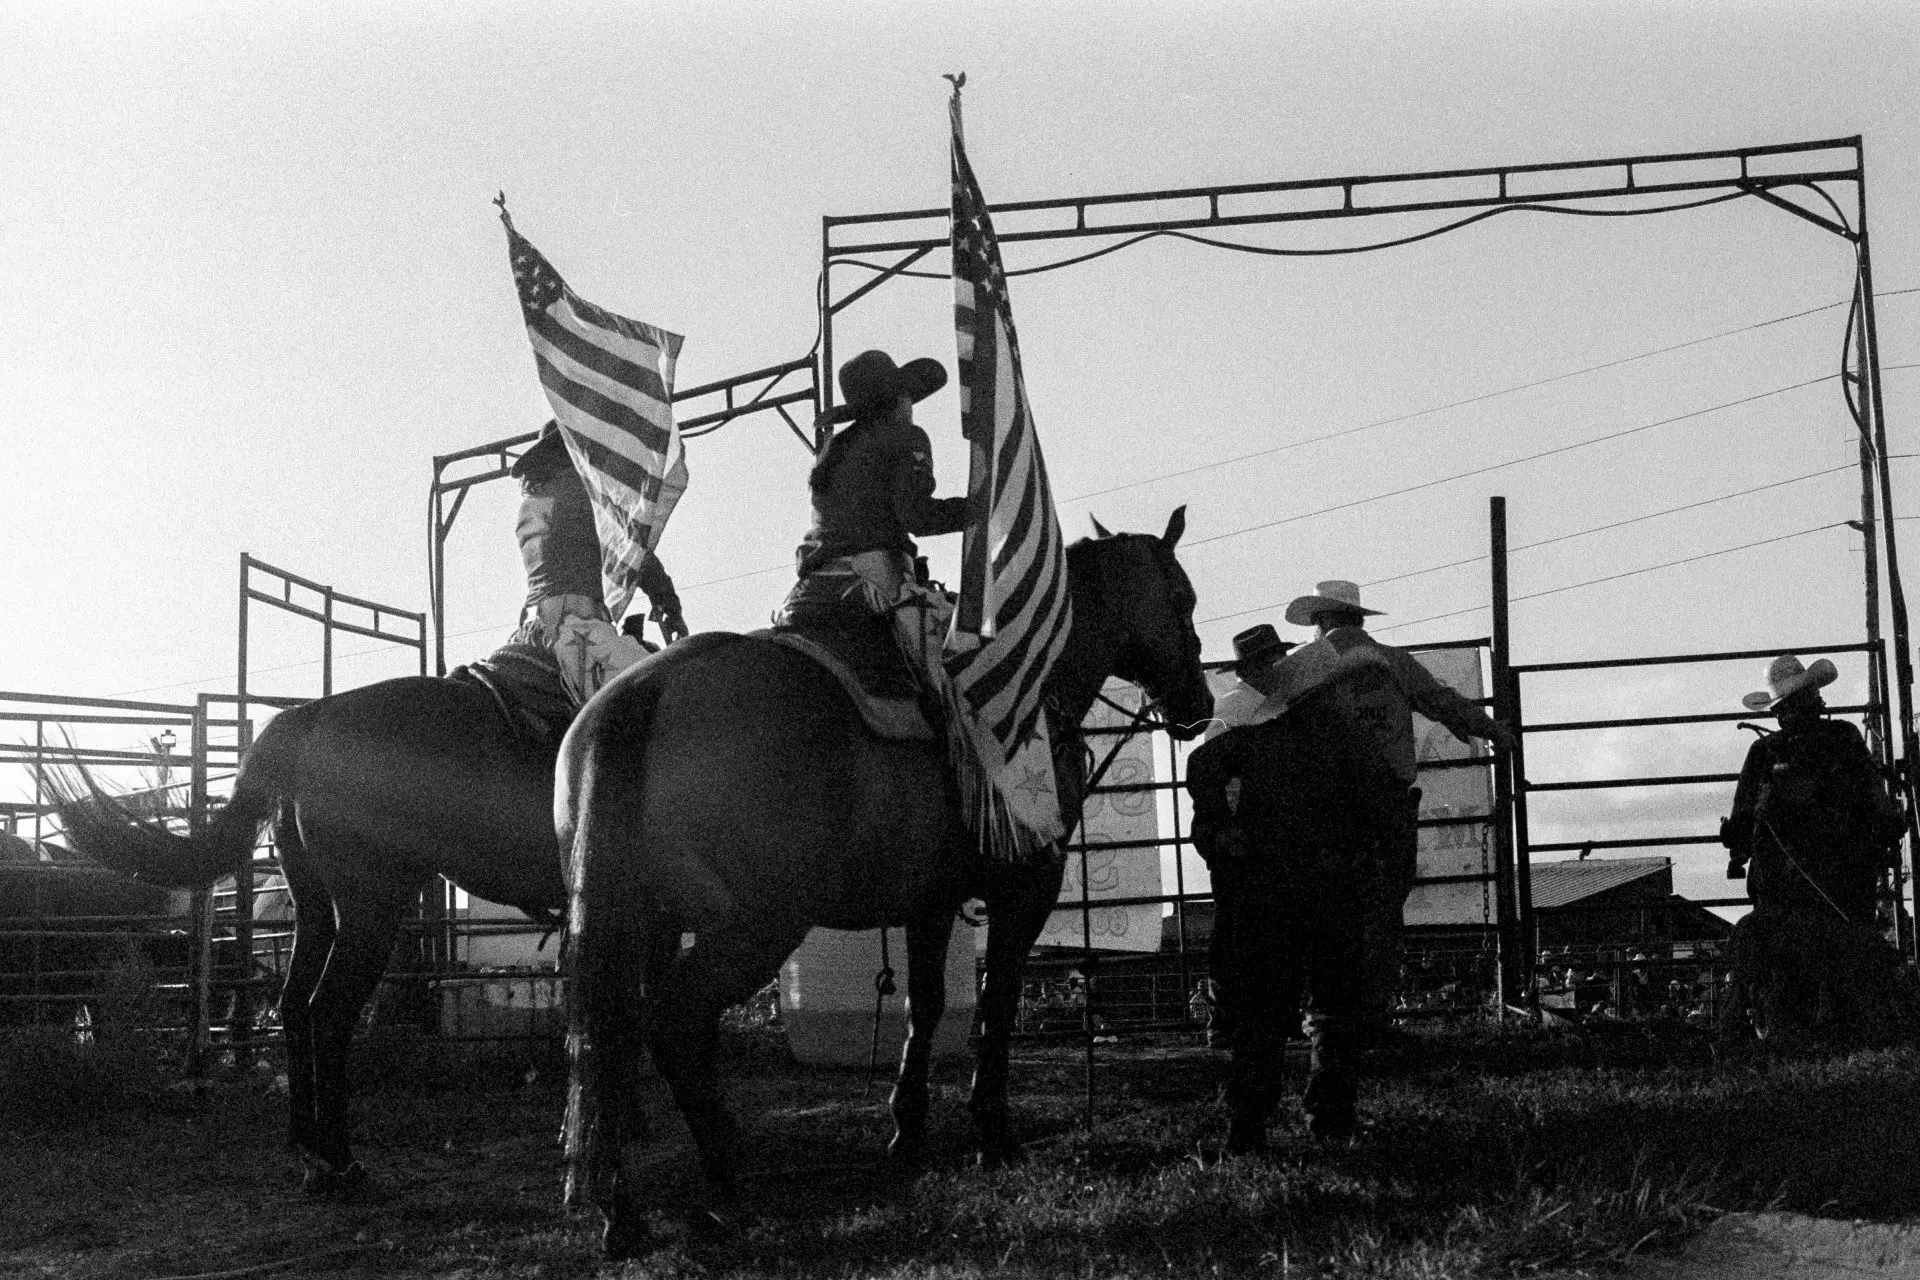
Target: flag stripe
x: 627, y: 361
x: 609, y: 380
x: 615, y: 403
x: 1015, y: 611
x: 592, y: 404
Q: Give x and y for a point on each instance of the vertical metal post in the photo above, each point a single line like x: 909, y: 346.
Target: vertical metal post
x: 241, y: 1024
x: 1506, y: 900
x: 1086, y: 966
x: 326, y: 642
x: 1896, y: 592
x: 1523, y: 843
x: 200, y: 903
x: 1879, y: 740
x: 1179, y: 882
x: 39, y: 899
x: 823, y: 380
x: 240, y: 681
x: 436, y: 577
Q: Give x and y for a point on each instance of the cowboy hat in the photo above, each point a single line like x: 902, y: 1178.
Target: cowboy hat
x: 871, y: 380
x: 549, y: 451
x: 1332, y: 594
x: 1786, y: 677
x: 1255, y: 645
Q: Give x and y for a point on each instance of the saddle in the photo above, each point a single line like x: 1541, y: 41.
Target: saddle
x: 866, y: 661
x: 524, y: 683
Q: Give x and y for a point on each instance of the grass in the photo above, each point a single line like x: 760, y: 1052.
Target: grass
x: 1485, y: 1154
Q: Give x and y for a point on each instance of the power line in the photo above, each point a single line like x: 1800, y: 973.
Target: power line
x: 1511, y: 462
x: 1627, y: 573
x: 1566, y: 537
x: 1456, y: 404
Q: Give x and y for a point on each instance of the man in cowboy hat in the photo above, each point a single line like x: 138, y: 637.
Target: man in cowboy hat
x: 566, y: 612
x: 1380, y: 687
x: 872, y: 489
x: 1256, y: 651
x: 1810, y: 812
x: 1314, y: 804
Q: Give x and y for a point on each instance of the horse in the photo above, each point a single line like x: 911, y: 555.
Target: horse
x: 728, y: 787
x: 372, y: 792
x: 1805, y: 975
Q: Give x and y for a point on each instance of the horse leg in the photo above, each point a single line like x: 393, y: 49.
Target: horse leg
x: 927, y: 941
x: 313, y: 935
x: 604, y: 1109
x: 726, y: 964
x: 367, y: 919
x: 1016, y: 914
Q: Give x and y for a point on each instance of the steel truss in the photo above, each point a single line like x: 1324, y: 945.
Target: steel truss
x: 1792, y: 177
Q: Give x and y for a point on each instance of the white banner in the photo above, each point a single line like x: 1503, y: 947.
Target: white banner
x: 1108, y: 817
x: 1464, y: 849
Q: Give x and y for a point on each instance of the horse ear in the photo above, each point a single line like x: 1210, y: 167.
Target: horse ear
x: 1176, y: 525
x: 1099, y: 530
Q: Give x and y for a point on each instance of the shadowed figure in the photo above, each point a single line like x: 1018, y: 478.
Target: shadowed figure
x: 729, y: 787
x: 372, y: 793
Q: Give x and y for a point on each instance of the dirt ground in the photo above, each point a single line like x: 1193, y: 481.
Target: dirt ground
x: 465, y: 1173
x: 1464, y: 1172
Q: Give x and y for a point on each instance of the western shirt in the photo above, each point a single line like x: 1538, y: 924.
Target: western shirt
x: 873, y: 491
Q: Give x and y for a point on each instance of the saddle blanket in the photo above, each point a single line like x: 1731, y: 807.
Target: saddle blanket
x: 888, y: 716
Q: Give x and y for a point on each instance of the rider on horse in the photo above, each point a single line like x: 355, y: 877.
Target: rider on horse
x: 566, y: 612
x: 1810, y: 812
x: 872, y: 490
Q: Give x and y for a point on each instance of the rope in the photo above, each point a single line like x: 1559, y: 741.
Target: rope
x: 1787, y: 850
x: 883, y: 986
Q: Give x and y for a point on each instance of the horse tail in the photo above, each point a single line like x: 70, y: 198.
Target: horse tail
x: 610, y: 920
x: 111, y: 833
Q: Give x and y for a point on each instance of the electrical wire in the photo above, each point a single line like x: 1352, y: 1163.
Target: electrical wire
x: 1615, y: 577
x: 1476, y: 399
x: 1567, y: 537
x: 1511, y: 462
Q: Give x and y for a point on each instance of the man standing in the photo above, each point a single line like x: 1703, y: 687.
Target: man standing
x: 566, y: 612
x: 1380, y: 687
x: 1255, y: 651
x: 1810, y: 812
x: 1304, y: 843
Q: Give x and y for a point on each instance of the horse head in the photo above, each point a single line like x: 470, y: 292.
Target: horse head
x: 1147, y: 607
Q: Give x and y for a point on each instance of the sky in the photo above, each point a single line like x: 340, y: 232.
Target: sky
x: 255, y: 284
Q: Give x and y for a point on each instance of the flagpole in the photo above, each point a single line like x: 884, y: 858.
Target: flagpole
x: 959, y: 82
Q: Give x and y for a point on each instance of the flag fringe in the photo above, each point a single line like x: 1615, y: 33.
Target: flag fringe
x: 988, y: 813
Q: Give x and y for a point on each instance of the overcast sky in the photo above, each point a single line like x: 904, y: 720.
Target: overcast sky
x: 255, y: 284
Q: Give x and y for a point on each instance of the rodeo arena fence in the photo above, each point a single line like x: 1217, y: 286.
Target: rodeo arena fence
x: 1491, y: 928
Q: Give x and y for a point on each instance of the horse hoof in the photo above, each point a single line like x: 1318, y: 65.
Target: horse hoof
x: 322, y: 1179
x: 621, y: 1240
x: 1000, y: 1155
x: 905, y: 1152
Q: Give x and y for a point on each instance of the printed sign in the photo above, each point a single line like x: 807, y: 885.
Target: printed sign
x: 1114, y: 815
x: 1452, y: 790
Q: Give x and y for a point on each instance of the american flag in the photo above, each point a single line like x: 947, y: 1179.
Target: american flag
x: 610, y: 382
x: 1014, y: 613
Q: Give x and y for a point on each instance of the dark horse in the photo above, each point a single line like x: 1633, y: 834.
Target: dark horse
x: 728, y: 787
x: 372, y: 792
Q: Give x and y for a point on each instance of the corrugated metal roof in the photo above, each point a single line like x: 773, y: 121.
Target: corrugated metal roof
x: 1559, y: 884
